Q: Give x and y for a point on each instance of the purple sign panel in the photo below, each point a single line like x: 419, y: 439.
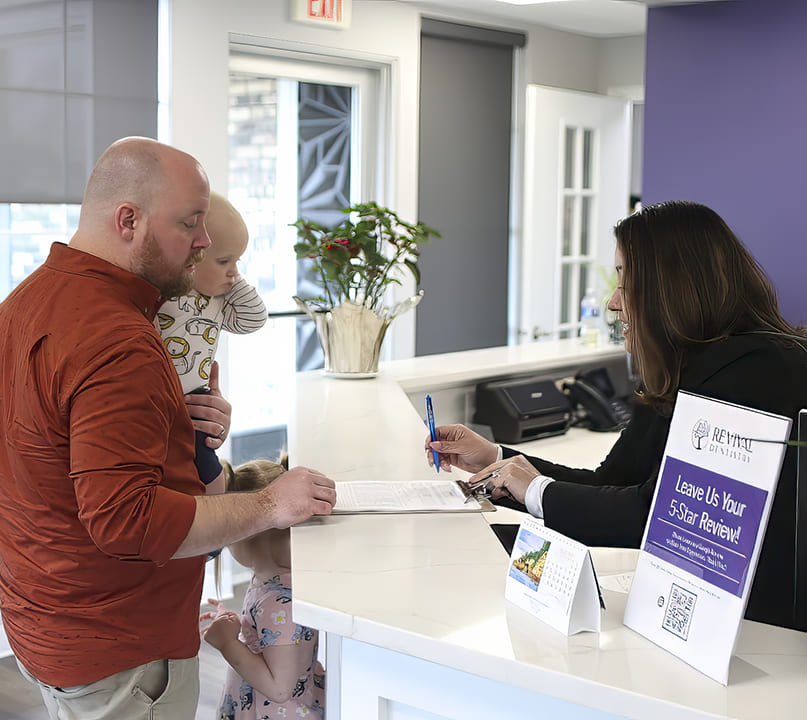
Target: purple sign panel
x: 706, y: 524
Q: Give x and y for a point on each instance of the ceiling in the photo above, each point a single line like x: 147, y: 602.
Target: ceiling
x: 599, y: 18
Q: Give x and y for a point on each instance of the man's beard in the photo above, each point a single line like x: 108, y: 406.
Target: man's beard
x: 151, y: 265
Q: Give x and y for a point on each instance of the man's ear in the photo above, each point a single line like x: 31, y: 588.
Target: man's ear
x: 127, y: 217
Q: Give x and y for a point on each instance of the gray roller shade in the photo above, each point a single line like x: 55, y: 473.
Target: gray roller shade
x: 74, y: 76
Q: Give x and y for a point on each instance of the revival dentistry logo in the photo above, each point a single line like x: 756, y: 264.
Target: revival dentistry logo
x: 720, y: 441
x: 700, y: 434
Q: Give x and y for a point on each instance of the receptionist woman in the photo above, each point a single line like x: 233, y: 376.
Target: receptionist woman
x: 699, y: 315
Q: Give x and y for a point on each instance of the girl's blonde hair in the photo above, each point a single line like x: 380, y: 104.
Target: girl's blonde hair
x: 247, y: 477
x: 252, y: 475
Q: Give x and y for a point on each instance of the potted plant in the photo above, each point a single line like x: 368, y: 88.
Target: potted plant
x: 355, y: 262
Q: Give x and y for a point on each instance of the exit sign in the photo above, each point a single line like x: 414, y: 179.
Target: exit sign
x: 325, y: 13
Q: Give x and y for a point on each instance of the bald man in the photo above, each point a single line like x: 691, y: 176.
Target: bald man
x: 105, y: 524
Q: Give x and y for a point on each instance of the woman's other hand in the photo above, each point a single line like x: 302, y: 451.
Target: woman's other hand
x: 507, y: 478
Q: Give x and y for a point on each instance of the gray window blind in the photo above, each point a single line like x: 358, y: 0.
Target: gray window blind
x: 75, y: 75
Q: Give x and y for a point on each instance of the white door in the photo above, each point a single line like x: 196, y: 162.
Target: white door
x: 576, y: 187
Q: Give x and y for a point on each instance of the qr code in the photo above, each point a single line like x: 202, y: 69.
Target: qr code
x: 678, y: 615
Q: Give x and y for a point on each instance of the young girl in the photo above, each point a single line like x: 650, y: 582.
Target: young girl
x: 273, y: 670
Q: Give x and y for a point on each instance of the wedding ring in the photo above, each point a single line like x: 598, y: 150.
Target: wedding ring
x: 220, y: 436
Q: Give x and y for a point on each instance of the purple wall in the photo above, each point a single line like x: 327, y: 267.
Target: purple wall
x: 726, y: 125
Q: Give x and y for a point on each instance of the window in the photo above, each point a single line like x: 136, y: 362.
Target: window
x: 26, y: 233
x: 578, y: 199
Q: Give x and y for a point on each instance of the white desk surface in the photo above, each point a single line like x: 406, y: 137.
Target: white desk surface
x: 432, y: 372
x: 432, y: 585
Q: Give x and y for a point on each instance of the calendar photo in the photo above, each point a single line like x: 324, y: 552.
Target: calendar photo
x: 527, y: 566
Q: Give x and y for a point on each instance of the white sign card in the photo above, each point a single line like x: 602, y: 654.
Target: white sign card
x: 552, y: 577
x: 705, y: 529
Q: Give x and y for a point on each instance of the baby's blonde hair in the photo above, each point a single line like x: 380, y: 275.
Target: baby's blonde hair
x: 223, y: 220
x: 247, y: 477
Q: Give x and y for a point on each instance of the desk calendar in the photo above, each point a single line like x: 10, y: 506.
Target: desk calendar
x: 552, y: 577
x: 705, y: 529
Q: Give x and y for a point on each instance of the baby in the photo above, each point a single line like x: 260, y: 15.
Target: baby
x: 221, y: 299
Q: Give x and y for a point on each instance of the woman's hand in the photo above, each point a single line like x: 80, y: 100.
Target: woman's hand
x: 460, y: 447
x: 210, y: 412
x: 225, y: 626
x: 507, y: 478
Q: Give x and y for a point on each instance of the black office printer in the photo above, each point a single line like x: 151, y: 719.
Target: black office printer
x: 521, y: 409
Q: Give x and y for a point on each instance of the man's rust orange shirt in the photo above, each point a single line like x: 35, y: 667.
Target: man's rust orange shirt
x: 97, y: 480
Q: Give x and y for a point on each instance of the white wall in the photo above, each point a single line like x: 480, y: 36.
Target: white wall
x: 561, y: 59
x: 621, y: 63
x: 567, y: 60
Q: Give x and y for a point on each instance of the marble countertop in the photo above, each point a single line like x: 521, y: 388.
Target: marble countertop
x: 432, y: 585
x: 447, y: 369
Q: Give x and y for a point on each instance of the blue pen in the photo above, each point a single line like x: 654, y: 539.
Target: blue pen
x: 430, y: 418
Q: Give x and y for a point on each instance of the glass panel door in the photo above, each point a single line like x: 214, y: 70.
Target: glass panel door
x: 302, y: 143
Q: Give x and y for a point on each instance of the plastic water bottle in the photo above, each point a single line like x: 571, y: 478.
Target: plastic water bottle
x: 590, y: 318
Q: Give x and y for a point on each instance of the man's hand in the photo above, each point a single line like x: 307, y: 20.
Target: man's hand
x: 459, y: 446
x: 210, y: 412
x: 298, y: 494
x: 221, y: 520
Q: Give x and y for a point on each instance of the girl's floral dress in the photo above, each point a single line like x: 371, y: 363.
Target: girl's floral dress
x: 266, y: 620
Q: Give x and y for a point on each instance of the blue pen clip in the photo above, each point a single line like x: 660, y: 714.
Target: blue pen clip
x: 430, y: 419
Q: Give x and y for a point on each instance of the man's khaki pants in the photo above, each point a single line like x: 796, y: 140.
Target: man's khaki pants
x: 159, y: 690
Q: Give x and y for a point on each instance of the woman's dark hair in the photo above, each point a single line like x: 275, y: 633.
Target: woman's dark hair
x: 687, y: 280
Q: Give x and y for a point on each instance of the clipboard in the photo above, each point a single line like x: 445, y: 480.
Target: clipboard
x: 418, y: 496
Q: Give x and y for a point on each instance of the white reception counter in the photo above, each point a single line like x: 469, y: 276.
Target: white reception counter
x: 412, y: 609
